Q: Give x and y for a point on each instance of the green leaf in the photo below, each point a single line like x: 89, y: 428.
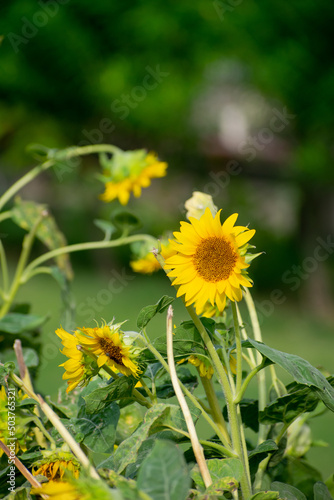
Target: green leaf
x: 27, y: 213
x: 163, y: 474
x: 127, y: 451
x: 288, y: 407
x: 97, y: 432
x: 164, y: 386
x: 259, y: 453
x: 120, y: 388
x: 126, y: 486
x: 287, y: 492
x: 265, y: 495
x: 125, y: 220
x: 321, y: 492
x: 17, y: 323
x: 173, y: 417
x: 230, y: 468
x: 148, y: 312
x: 300, y: 369
x: 19, y: 494
x: 5, y: 370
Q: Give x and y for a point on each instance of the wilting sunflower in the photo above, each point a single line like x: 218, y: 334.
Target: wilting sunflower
x: 107, y: 343
x: 54, y: 464
x: 210, y: 263
x: 130, y: 171
x: 79, y: 368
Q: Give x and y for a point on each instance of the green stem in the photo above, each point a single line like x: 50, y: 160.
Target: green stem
x: 69, y: 153
x: 152, y: 396
x: 26, y: 248
x: 4, y: 269
x: 262, y: 376
x: 84, y: 246
x: 238, y: 346
x: 236, y: 429
x: 249, y: 377
x: 54, y: 419
x: 214, y: 406
x: 5, y: 215
x: 204, y: 442
x: 41, y: 427
x: 192, y: 398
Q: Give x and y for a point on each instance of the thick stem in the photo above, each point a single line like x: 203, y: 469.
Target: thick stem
x: 238, y: 346
x: 4, y: 269
x: 215, y: 407
x: 197, y: 448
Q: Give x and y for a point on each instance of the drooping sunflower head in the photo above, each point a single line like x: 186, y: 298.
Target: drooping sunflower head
x: 210, y: 263
x: 79, y: 489
x: 79, y: 368
x: 129, y: 171
x: 54, y: 464
x: 108, y: 344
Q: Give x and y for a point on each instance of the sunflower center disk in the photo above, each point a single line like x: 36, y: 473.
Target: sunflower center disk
x: 111, y: 350
x: 214, y: 259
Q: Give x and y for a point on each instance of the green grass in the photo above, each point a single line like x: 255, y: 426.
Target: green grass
x: 287, y: 329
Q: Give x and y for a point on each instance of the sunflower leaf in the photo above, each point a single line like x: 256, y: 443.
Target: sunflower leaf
x: 148, y: 312
x: 300, y: 369
x: 287, y: 492
x: 119, y: 389
x: 166, y: 462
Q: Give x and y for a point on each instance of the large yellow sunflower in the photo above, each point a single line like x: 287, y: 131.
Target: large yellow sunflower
x: 107, y: 343
x: 210, y: 262
x: 130, y: 171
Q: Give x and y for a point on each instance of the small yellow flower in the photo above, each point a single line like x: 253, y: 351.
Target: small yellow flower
x: 78, y: 369
x: 130, y: 171
x: 149, y: 264
x: 107, y: 343
x: 54, y: 464
x: 210, y: 263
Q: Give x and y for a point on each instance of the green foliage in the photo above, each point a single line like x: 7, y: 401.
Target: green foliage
x: 167, y: 463
x: 148, y: 312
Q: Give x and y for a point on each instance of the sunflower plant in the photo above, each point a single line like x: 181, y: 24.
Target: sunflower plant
x: 128, y: 421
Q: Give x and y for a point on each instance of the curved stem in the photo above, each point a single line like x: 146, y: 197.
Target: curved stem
x: 249, y: 377
x: 85, y: 246
x: 5, y: 215
x: 26, y: 248
x: 60, y: 155
x: 204, y: 442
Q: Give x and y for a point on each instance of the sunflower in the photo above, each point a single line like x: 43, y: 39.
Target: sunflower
x: 54, y: 464
x: 210, y: 260
x: 79, y: 368
x: 203, y: 365
x: 130, y: 171
x: 107, y: 343
x: 58, y: 490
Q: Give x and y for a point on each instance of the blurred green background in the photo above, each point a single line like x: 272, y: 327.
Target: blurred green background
x: 237, y: 96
